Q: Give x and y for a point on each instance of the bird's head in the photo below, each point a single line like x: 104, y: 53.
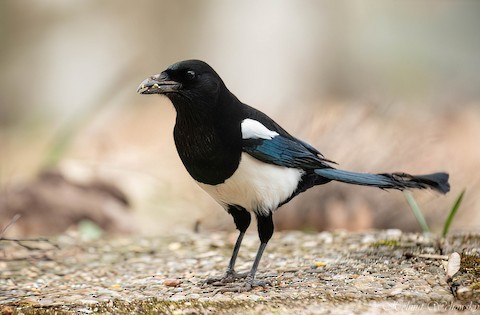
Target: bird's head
x: 186, y: 83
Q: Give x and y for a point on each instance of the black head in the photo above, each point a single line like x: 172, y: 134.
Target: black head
x: 189, y: 83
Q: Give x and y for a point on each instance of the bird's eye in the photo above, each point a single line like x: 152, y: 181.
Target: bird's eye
x: 190, y: 75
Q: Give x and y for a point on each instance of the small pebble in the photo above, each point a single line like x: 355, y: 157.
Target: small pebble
x: 172, y: 282
x: 315, y: 267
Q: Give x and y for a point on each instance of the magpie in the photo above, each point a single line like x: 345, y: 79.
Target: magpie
x: 246, y: 161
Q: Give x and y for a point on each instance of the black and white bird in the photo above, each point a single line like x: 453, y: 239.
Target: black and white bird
x: 246, y: 161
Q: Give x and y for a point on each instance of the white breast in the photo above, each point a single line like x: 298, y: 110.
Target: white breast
x: 256, y: 186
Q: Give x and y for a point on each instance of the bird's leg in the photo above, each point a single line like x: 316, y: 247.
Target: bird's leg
x: 231, y: 275
x: 242, y: 220
x: 265, y: 232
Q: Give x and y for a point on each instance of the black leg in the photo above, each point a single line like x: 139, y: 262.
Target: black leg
x: 242, y: 220
x: 265, y: 232
x: 236, y: 249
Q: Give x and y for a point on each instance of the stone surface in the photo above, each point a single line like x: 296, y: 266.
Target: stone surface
x: 375, y: 272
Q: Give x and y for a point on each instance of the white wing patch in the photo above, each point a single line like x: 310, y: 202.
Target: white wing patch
x: 256, y: 186
x: 252, y: 129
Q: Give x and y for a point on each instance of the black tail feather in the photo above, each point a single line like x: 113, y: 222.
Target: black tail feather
x: 401, y: 181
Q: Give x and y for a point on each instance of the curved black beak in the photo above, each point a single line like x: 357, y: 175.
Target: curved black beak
x: 158, y: 84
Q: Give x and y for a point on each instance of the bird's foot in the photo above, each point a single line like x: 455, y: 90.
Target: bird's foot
x: 248, y: 285
x: 229, y: 277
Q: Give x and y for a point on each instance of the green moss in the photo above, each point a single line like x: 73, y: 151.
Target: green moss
x: 470, y: 264
x: 389, y: 243
x: 475, y: 286
x: 150, y: 306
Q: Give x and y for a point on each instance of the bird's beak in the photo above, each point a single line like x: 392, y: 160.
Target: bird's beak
x: 158, y: 84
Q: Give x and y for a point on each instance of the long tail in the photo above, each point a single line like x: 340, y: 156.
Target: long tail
x: 401, y: 181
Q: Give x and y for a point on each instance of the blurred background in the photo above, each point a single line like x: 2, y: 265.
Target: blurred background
x: 377, y: 86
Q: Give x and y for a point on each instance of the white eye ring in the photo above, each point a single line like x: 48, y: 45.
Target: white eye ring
x: 190, y: 75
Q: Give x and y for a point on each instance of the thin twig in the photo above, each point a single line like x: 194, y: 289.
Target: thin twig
x: 429, y: 256
x: 10, y: 223
x: 20, y: 241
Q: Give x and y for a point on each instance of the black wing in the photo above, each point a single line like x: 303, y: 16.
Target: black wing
x: 281, y: 149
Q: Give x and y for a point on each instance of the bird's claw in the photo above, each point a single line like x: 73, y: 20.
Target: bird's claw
x: 248, y: 285
x: 229, y: 277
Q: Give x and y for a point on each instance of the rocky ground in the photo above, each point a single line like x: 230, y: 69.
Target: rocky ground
x: 319, y: 273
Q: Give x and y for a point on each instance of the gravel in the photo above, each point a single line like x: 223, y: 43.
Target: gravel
x: 376, y: 272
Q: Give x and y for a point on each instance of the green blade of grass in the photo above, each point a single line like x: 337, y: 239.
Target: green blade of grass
x: 452, y: 214
x: 417, y: 212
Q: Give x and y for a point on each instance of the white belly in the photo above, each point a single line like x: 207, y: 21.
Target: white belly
x: 256, y: 186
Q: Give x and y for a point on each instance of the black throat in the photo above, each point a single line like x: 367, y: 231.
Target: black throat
x: 208, y: 137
